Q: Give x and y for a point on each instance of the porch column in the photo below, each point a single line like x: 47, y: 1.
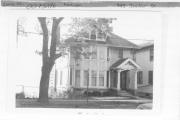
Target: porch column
x: 109, y: 78
x: 118, y: 80
x: 135, y: 80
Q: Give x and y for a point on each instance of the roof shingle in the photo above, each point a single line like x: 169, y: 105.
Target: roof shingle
x: 112, y: 40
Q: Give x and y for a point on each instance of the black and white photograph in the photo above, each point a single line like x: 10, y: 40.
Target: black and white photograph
x: 86, y: 62
x: 94, y: 59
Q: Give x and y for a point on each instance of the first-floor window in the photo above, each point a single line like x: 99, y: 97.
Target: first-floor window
x: 77, y: 78
x: 86, y: 77
x: 151, y: 77
x: 93, y: 78
x: 140, y: 77
x: 71, y: 76
x: 61, y: 77
x: 101, y: 78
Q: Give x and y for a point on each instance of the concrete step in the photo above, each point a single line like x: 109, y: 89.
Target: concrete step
x: 124, y: 93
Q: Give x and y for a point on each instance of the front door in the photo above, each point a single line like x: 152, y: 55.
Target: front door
x: 123, y: 80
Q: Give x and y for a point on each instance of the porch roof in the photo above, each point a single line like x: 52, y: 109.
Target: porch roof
x: 117, y: 63
x: 121, y: 62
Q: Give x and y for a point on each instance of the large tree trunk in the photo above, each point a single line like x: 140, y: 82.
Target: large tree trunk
x: 44, y: 83
x: 48, y: 58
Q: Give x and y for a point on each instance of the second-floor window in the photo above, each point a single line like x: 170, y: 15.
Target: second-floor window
x: 101, y: 53
x: 86, y: 52
x: 151, y: 54
x: 94, y: 52
x: 120, y: 53
x: 133, y: 52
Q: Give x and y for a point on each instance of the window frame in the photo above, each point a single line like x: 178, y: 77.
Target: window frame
x: 93, y: 76
x: 140, y: 77
x: 93, y: 33
x: 101, y: 75
x: 150, y: 79
x: 120, y: 53
x: 87, y: 49
x: 94, y: 54
x: 77, y: 84
x: 84, y: 78
x: 151, y: 54
x: 61, y: 77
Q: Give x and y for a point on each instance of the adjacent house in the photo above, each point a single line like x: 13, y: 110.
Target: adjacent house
x: 116, y: 63
x: 145, y: 58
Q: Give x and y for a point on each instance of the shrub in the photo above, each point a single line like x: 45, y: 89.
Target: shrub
x: 110, y: 92
x: 96, y: 93
x: 89, y: 93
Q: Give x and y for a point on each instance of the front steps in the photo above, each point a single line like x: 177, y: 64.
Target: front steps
x: 124, y: 93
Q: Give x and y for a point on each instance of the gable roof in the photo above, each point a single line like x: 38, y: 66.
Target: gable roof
x: 145, y: 45
x: 112, y: 40
x: 120, y: 61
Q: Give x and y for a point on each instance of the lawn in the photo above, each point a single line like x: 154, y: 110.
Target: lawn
x: 62, y: 103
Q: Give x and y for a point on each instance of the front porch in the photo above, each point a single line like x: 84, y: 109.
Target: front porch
x: 123, y: 75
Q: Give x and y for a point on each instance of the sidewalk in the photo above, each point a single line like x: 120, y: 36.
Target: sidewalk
x: 109, y: 99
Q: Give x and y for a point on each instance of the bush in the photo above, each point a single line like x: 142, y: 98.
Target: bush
x: 92, y: 93
x: 89, y: 93
x: 68, y: 93
x: 96, y: 93
x: 110, y: 92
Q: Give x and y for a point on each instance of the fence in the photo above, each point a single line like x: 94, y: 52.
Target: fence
x: 33, y: 92
x: 27, y: 91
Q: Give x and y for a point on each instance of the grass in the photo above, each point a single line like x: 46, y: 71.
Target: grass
x: 55, y: 103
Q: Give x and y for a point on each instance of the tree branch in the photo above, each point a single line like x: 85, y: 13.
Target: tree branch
x: 42, y: 21
x: 54, y: 37
x: 58, y: 55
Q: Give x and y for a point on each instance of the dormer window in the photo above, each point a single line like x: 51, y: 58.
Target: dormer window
x: 93, y: 35
x: 97, y: 35
x: 101, y: 36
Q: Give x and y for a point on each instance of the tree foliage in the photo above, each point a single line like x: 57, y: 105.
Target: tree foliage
x: 86, y: 25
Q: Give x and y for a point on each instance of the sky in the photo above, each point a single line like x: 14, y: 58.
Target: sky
x: 138, y: 27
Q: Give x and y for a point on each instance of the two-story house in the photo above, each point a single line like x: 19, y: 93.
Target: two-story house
x: 115, y: 63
